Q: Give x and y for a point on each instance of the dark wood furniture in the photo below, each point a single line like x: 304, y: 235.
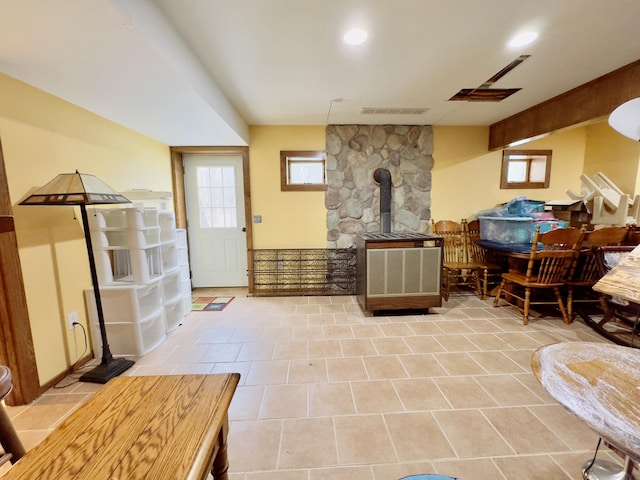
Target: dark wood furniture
x: 157, y: 427
x: 550, y: 258
x: 597, y: 382
x: 459, y: 272
x: 398, y: 271
x: 584, y: 272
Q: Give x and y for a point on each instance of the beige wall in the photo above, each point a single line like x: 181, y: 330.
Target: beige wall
x: 289, y: 219
x: 613, y: 154
x: 466, y: 177
x: 42, y: 136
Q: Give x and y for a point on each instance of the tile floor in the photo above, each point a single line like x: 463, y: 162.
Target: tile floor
x: 329, y: 393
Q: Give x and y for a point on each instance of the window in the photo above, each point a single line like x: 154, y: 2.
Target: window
x: 303, y: 171
x: 525, y: 169
x: 217, y: 197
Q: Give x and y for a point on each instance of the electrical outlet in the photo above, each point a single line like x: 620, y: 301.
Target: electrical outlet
x: 71, y: 319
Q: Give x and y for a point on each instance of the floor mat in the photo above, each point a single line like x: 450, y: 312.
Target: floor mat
x: 210, y: 304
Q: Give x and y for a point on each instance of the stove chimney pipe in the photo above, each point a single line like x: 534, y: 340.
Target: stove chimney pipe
x: 383, y: 177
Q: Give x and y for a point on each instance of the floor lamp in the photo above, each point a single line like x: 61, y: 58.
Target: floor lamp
x: 82, y: 189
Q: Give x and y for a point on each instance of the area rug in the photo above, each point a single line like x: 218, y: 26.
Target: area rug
x: 210, y: 304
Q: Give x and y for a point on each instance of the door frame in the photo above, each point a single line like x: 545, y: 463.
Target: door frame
x: 16, y: 342
x: 179, y: 201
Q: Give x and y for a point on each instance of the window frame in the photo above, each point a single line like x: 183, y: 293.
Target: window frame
x: 507, y: 157
x: 311, y: 155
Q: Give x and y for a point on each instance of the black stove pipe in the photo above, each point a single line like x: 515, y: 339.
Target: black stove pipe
x: 383, y: 177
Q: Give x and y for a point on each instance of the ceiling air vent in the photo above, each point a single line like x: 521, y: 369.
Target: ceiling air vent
x: 393, y: 111
x: 484, y: 93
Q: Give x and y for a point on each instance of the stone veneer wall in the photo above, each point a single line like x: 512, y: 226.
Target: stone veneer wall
x: 352, y: 199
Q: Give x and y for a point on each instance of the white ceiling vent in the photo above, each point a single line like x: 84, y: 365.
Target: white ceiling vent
x: 393, y: 111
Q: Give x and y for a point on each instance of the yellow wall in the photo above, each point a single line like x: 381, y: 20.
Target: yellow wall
x: 42, y: 136
x: 289, y: 219
x: 466, y: 177
x: 613, y: 154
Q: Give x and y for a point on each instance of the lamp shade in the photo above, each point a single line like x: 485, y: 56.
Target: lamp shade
x: 625, y: 119
x: 75, y: 189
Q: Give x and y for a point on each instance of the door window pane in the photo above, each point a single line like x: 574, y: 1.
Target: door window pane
x: 217, y: 197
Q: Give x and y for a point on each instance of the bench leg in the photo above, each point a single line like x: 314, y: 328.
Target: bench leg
x: 221, y: 461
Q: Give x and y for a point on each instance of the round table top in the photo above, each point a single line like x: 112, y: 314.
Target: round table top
x: 598, y: 382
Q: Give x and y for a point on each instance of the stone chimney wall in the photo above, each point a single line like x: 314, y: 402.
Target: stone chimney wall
x: 352, y: 199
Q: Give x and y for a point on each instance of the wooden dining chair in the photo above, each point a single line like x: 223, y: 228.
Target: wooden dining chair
x: 489, y: 273
x: 619, y: 322
x: 584, y: 271
x: 549, y: 260
x: 457, y: 272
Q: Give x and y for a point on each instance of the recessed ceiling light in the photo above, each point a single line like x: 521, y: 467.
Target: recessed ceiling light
x: 355, y: 36
x: 522, y: 39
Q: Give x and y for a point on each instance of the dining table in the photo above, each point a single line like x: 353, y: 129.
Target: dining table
x: 600, y: 384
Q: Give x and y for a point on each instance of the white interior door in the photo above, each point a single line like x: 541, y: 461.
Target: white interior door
x: 214, y: 196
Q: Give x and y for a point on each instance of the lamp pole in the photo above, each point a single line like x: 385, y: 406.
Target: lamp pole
x: 109, y: 367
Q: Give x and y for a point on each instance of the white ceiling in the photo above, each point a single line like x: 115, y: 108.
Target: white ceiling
x: 198, y: 72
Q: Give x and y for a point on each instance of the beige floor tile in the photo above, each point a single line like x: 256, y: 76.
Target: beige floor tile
x: 382, y: 367
x: 252, y: 351
x: 342, y: 473
x: 472, y: 435
x: 424, y: 344
x: 464, y: 392
x: 496, y: 362
x: 532, y: 468
x: 507, y: 390
x: 524, y: 431
x: 357, y: 347
x: 337, y: 331
x: 422, y: 365
x: 456, y: 343
x: 376, y: 397
x: 312, y: 332
x: 459, y: 363
x: 301, y: 474
x: 418, y: 394
x: 254, y: 446
x: 307, y: 371
x: 573, y: 431
x: 210, y: 353
x: 284, y: 401
x: 390, y: 346
x: 363, y: 439
x: 289, y: 350
x: 308, y: 443
x: 475, y: 469
x: 396, y: 330
x: 425, y: 327
x: 487, y: 341
x: 400, y: 470
x: 346, y: 369
x: 330, y: 399
x: 268, y: 373
x: 417, y: 437
x: 324, y: 348
x: 246, y: 402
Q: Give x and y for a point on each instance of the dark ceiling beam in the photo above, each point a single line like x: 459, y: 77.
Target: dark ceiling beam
x: 590, y: 101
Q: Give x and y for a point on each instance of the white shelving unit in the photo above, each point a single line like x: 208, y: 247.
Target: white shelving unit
x: 140, y: 259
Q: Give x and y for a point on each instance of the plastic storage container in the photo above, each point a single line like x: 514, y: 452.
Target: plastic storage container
x: 133, y: 317
x: 506, y: 229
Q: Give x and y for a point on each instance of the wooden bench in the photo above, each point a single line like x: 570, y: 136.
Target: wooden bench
x: 140, y: 428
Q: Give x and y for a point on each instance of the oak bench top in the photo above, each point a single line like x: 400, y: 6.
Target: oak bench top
x: 155, y: 427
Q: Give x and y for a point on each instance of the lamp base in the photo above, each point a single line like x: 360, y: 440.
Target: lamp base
x: 107, y: 370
